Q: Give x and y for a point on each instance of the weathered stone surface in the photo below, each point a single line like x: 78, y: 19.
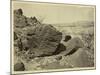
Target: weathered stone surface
x: 72, y: 45
x: 21, y: 21
x: 49, y: 62
x: 81, y: 58
x: 41, y: 40
x: 19, y: 66
x: 46, y: 39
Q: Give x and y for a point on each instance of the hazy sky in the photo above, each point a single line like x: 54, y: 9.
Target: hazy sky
x: 56, y: 13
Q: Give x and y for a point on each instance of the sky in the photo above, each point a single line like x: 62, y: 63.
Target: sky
x: 56, y: 13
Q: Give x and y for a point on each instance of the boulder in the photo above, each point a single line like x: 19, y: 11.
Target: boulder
x: 81, y: 58
x: 41, y: 40
x: 72, y: 46
x: 19, y: 66
x: 30, y: 34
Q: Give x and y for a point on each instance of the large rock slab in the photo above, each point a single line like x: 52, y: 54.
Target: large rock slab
x: 32, y: 36
x: 41, y: 40
x: 81, y: 58
x: 72, y: 45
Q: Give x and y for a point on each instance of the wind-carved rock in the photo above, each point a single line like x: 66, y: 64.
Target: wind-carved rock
x: 39, y: 39
x: 19, y: 66
x: 72, y: 46
x: 42, y: 40
x: 21, y: 21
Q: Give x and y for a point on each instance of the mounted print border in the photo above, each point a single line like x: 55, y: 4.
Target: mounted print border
x: 52, y: 37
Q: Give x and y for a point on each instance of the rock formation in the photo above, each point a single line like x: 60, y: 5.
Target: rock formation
x: 81, y: 58
x: 72, y: 45
x: 39, y: 39
x: 19, y: 66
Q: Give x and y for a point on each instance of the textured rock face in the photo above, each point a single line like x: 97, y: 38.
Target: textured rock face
x: 30, y: 35
x: 21, y: 21
x: 45, y: 63
x: 42, y: 40
x: 81, y: 58
x: 19, y: 66
x: 72, y: 45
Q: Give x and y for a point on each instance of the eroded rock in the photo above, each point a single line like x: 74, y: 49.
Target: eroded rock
x: 81, y: 58
x: 19, y: 66
x: 39, y: 39
x: 72, y: 45
x: 19, y: 19
x: 44, y: 40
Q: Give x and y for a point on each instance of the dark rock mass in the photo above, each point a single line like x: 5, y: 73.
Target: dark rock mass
x: 39, y: 39
x: 19, y: 66
x: 43, y: 40
x: 67, y: 37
